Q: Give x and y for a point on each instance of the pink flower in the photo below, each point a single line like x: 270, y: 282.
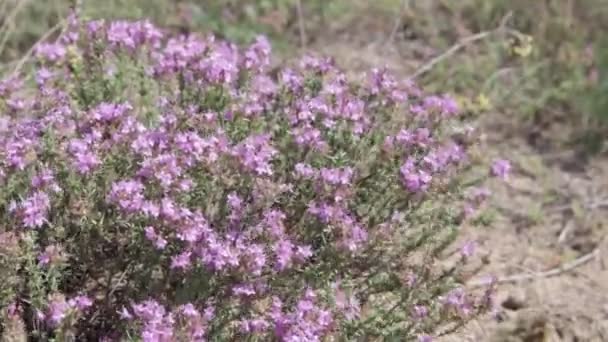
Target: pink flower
x: 181, y: 260
x: 468, y: 249
x: 51, y: 52
x: 81, y: 302
x: 501, y: 168
x: 420, y: 311
x: 35, y: 209
x: 57, y: 312
x: 425, y: 338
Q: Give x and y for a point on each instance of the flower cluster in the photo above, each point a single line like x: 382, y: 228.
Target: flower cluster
x: 202, y: 195
x: 59, y: 309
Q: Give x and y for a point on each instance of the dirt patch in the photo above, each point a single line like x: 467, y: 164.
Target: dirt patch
x: 546, y: 218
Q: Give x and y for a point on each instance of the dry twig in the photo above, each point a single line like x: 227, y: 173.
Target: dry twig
x: 31, y: 50
x: 398, y: 21
x: 567, y: 267
x: 6, y: 26
x: 301, y: 27
x: 448, y: 53
x: 463, y: 43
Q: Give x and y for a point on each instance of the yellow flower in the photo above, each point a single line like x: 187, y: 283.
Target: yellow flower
x: 483, y: 102
x: 523, y: 47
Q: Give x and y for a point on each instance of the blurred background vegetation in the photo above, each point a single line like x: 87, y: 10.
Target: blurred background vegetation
x: 550, y: 79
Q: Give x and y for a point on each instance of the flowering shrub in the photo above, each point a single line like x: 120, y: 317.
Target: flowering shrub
x: 180, y: 189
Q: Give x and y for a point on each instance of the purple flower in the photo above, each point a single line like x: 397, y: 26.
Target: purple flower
x: 16, y: 104
x: 108, y: 112
x: 84, y: 159
x: 43, y: 75
x: 35, y: 209
x: 457, y: 301
x: 307, y: 322
x: 182, y: 260
x: 193, y: 324
x: 317, y: 65
x: 158, y: 241
x: 253, y: 326
x: 150, y: 209
x: 255, y: 153
x: 291, y: 80
x: 354, y: 236
x: 86, y: 162
x: 420, y: 311
x: 10, y: 85
x: 220, y: 65
x: 19, y: 153
x: 243, y: 290
x: 254, y: 258
x: 273, y: 223
x: 284, y: 254
x: 148, y: 310
x: 131, y: 35
x: 264, y: 85
x: 45, y: 179
x: 468, y: 249
x: 94, y: 27
x: 415, y: 180
x: 501, y: 168
x: 169, y: 210
x: 80, y: 302
x: 125, y: 314
x: 380, y: 81
x: 234, y: 201
x: 189, y: 310
x: 50, y: 255
x: 445, y: 105
x: 128, y: 195
x: 44, y: 259
x: 165, y: 168
x: 257, y: 56
x: 422, y: 137
x: 58, y: 309
x: 337, y: 177
x: 425, y: 338
x: 309, y: 136
x: 157, y: 324
x: 449, y: 106
x: 303, y: 253
x: 51, y: 52
x: 304, y: 170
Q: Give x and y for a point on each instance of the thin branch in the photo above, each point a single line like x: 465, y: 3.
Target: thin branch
x: 31, y: 50
x: 564, y: 268
x: 301, y: 27
x: 398, y: 22
x: 6, y: 27
x: 466, y: 42
x: 451, y: 51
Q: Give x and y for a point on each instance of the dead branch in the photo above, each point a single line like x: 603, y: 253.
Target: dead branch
x: 564, y: 268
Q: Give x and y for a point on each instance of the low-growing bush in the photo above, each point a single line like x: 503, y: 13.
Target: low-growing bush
x: 177, y: 188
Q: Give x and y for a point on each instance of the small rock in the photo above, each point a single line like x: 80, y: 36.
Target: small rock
x: 514, y: 302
